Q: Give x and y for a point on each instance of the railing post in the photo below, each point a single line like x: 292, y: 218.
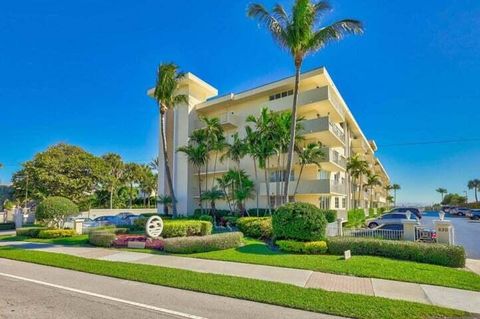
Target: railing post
x: 409, y: 229
x: 340, y: 227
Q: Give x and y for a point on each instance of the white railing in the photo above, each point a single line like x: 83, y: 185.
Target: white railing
x: 374, y: 233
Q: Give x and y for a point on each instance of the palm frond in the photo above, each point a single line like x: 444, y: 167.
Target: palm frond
x: 274, y: 26
x: 335, y: 32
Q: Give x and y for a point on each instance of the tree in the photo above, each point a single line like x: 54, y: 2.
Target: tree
x: 147, y: 183
x: 213, y: 195
x: 475, y: 185
x: 166, y: 201
x: 115, y: 174
x: 54, y: 210
x: 214, y: 141
x: 310, y: 154
x: 395, y: 188
x: 167, y: 97
x: 299, y: 34
x: 442, y: 192
x: 236, y: 151
x: 454, y: 199
x: 132, y: 176
x: 372, y: 180
x: 356, y: 167
x: 61, y: 170
x: 196, y: 154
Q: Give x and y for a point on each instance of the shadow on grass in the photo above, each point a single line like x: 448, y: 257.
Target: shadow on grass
x: 258, y: 249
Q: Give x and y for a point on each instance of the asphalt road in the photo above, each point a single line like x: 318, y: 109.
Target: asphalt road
x: 35, y: 291
x: 467, y: 232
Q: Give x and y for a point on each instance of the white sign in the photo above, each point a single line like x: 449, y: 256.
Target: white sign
x: 154, y: 227
x: 347, y: 254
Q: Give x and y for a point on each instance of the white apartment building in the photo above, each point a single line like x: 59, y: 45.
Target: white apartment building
x: 327, y: 119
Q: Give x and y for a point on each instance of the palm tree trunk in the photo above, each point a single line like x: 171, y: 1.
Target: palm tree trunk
x: 354, y: 189
x: 291, y: 144
x: 167, y: 165
x: 394, y: 197
x: 279, y: 173
x: 256, y: 182
x: 200, y: 190
x: 111, y: 197
x: 267, y: 185
x: 214, y: 168
x: 475, y: 189
x: 298, y: 181
x: 130, y: 195
x: 206, y: 175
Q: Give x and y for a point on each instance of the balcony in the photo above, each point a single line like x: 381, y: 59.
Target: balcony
x: 214, y: 170
x: 359, y: 145
x: 228, y: 120
x: 333, y: 160
x: 324, y: 130
x: 307, y: 187
x: 322, y: 100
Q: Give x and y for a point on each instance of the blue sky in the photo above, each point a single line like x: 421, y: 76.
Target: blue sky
x: 77, y: 72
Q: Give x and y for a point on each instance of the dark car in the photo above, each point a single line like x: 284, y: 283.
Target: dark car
x: 475, y: 214
x: 413, y: 210
x: 385, y: 231
x: 388, y: 219
x: 107, y: 220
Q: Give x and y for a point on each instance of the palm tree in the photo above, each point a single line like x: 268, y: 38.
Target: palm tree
x: 252, y: 142
x: 395, y: 188
x: 212, y: 196
x: 299, y: 34
x: 475, y: 185
x: 131, y: 176
x: 236, y: 151
x: 213, y: 133
x: 196, y: 155
x: 115, y: 170
x: 147, y: 183
x: 442, y: 192
x: 372, y: 180
x: 356, y: 167
x: 167, y: 97
x: 154, y: 164
x: 224, y: 182
x: 310, y: 154
x: 166, y: 201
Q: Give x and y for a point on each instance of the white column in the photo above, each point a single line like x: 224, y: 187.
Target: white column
x: 445, y: 232
x: 409, y: 229
x: 180, y: 160
x: 161, y: 168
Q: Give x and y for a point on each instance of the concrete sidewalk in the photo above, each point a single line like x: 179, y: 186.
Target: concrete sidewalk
x: 428, y: 294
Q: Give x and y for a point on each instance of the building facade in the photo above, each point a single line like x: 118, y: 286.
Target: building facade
x: 326, y: 119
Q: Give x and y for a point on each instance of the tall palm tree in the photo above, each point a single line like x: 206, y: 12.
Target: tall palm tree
x: 299, y: 34
x: 115, y: 171
x: 475, y: 185
x: 310, y: 154
x: 252, y: 142
x: 213, y: 133
x: 213, y: 195
x: 167, y: 97
x: 154, y: 164
x: 372, y: 180
x: 131, y: 176
x: 236, y: 151
x: 356, y: 167
x: 196, y: 154
x: 395, y: 188
x: 442, y: 192
x: 166, y: 201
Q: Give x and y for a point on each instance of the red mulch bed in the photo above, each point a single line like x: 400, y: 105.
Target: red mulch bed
x: 122, y: 241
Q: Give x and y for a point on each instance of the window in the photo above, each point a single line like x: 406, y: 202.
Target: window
x: 279, y: 176
x: 280, y: 95
x: 344, y: 202
x: 337, y: 202
x: 387, y: 216
x: 324, y: 202
x: 323, y: 174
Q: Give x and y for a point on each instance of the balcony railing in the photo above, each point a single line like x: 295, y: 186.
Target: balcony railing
x: 323, y: 124
x: 308, y: 186
x: 227, y: 120
x: 334, y: 157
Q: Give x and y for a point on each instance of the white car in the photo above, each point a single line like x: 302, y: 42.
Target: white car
x: 87, y: 222
x: 461, y: 211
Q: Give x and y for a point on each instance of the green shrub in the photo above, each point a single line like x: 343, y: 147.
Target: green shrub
x: 56, y: 233
x: 261, y: 212
x: 207, y: 218
x: 255, y: 227
x: 232, y: 220
x: 6, y: 226
x: 189, y: 245
x: 299, y: 221
x: 356, y: 218
x: 381, y: 210
x: 299, y: 247
x: 54, y: 210
x: 208, y: 211
x: 330, y: 215
x: 101, y: 238
x: 438, y: 254
x: 29, y: 231
x: 184, y: 228
x: 371, y: 212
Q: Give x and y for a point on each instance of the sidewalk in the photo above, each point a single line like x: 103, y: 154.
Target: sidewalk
x: 428, y: 294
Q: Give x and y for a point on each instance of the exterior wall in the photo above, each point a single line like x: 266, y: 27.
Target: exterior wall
x: 326, y: 119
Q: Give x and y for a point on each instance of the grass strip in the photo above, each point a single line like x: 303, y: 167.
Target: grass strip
x: 335, y: 303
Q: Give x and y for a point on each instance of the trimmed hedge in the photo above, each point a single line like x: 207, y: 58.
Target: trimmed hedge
x: 29, y: 231
x: 437, y: 254
x: 256, y: 227
x: 56, y: 233
x: 101, y: 238
x: 231, y: 220
x: 54, y: 210
x: 189, y: 245
x: 6, y: 226
x: 298, y: 247
x: 330, y: 215
x: 184, y: 228
x: 299, y: 221
x: 262, y: 212
x: 356, y: 218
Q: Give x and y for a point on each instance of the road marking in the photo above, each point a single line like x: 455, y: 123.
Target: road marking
x: 88, y: 293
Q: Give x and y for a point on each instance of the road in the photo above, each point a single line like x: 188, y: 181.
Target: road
x: 466, y: 232
x: 41, y: 292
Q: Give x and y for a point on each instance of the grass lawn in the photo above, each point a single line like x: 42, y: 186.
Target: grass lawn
x: 257, y: 252
x: 342, y: 304
x: 74, y: 240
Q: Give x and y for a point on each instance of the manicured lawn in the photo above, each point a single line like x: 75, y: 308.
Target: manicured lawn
x: 74, y: 240
x: 342, y: 304
x: 257, y: 252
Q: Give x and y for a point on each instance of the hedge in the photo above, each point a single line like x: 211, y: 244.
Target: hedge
x: 356, y: 217
x: 6, y: 226
x: 299, y: 221
x: 311, y: 247
x: 54, y: 210
x: 189, y: 245
x: 262, y: 212
x: 184, y: 228
x: 330, y: 215
x: 438, y: 254
x: 29, y: 231
x: 101, y: 238
x: 207, y: 211
x: 56, y: 233
x: 255, y: 227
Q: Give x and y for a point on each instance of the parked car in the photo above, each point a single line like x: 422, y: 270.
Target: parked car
x: 475, y: 214
x: 388, y: 218
x: 385, y: 231
x: 87, y: 222
x: 461, y: 211
x: 413, y: 210
x: 126, y: 218
x: 107, y: 220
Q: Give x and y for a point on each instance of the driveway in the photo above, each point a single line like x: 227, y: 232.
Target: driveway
x: 466, y: 232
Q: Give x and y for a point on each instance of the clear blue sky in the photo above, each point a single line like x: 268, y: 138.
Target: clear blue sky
x: 77, y: 72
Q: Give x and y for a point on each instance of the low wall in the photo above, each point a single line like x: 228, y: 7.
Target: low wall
x: 93, y: 213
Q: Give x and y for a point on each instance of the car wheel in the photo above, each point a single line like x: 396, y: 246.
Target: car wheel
x: 372, y: 225
x: 476, y: 217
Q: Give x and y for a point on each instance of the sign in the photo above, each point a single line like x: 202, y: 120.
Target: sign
x: 347, y: 254
x: 154, y: 227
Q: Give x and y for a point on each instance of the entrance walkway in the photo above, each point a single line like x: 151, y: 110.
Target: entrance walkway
x: 428, y: 294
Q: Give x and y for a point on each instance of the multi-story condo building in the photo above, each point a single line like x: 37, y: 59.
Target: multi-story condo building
x: 326, y: 119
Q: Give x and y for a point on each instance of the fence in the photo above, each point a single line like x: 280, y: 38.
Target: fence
x: 332, y: 229
x: 374, y: 233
